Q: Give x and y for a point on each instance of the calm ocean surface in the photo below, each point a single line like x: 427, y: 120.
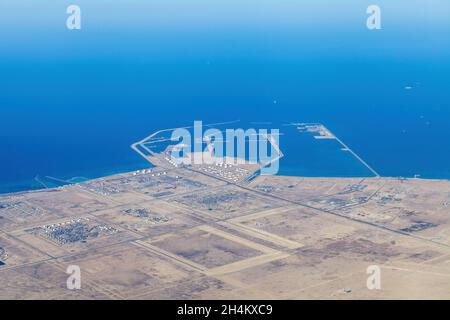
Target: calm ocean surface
x: 72, y: 102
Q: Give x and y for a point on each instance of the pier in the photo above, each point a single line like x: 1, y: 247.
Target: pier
x: 325, y: 133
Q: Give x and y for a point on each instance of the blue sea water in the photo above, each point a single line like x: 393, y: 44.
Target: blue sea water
x: 72, y: 102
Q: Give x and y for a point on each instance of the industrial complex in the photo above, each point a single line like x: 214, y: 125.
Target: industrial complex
x: 219, y: 232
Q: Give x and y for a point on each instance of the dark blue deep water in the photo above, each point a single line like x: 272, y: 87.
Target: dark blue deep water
x: 72, y: 102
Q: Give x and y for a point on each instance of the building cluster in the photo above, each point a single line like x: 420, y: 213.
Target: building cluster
x: 153, y: 179
x: 213, y: 201
x: 149, y: 172
x: 229, y: 172
x: 100, y: 187
x: 146, y: 214
x: 75, y: 230
x: 418, y: 226
x: 266, y: 188
x: 357, y: 187
x: 19, y: 208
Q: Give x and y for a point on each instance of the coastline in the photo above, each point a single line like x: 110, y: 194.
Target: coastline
x: 128, y: 172
x: 162, y: 216
x: 88, y: 177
